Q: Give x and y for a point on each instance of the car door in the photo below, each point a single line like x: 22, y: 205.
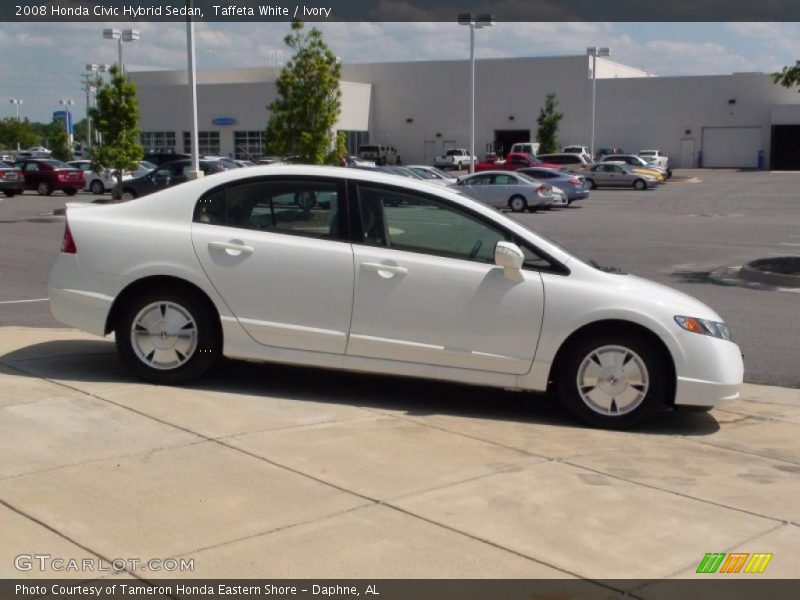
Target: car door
x: 427, y: 289
x: 32, y: 175
x: 477, y: 186
x: 502, y: 187
x: 276, y: 250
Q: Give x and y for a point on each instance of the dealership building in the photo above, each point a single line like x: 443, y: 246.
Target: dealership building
x: 422, y: 108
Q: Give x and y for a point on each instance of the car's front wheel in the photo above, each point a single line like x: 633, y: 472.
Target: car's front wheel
x: 44, y: 189
x: 167, y: 337
x: 640, y: 184
x: 612, y: 380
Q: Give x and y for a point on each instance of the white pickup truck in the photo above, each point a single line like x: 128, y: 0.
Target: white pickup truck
x: 455, y: 158
x: 658, y: 156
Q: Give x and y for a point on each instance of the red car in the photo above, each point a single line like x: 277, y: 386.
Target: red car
x: 45, y: 175
x: 11, y: 180
x: 512, y: 162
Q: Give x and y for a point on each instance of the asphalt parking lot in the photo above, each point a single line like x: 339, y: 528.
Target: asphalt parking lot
x: 675, y: 235
x: 281, y: 472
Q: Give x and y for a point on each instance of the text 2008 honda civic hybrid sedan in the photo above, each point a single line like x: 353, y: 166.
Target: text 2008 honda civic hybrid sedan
x: 364, y: 271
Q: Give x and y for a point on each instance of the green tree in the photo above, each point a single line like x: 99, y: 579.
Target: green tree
x: 59, y: 140
x: 22, y: 132
x: 789, y: 76
x: 116, y: 117
x: 308, y: 102
x: 548, y: 121
x: 79, y: 131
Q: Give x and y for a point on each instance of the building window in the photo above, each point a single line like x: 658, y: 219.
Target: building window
x: 355, y: 139
x: 158, y: 141
x: 208, y: 142
x: 247, y: 144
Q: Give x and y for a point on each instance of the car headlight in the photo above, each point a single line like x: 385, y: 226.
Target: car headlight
x: 715, y: 329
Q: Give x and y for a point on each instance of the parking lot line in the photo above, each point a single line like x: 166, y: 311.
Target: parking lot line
x: 24, y: 301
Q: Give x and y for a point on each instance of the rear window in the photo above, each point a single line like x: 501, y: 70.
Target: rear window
x: 368, y: 149
x: 56, y: 164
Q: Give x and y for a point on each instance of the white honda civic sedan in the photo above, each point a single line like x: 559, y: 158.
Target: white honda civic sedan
x: 364, y: 271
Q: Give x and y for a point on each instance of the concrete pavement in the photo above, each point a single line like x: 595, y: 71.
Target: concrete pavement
x: 274, y: 471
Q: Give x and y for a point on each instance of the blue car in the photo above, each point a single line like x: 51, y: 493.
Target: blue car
x: 574, y: 186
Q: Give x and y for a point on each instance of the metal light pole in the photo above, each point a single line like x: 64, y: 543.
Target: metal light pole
x: 474, y: 23
x: 66, y: 103
x: 125, y: 35
x: 90, y: 88
x: 195, y: 172
x: 594, y: 52
x: 16, y: 102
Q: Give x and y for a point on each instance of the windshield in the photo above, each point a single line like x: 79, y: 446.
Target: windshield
x: 57, y: 164
x: 424, y: 173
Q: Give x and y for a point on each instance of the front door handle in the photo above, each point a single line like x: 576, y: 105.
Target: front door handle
x: 386, y: 271
x: 231, y: 248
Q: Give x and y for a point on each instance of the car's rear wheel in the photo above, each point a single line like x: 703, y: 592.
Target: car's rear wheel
x: 128, y: 194
x: 612, y: 380
x: 592, y: 184
x: 97, y: 187
x: 44, y: 189
x: 517, y: 204
x: 167, y: 337
x: 640, y: 184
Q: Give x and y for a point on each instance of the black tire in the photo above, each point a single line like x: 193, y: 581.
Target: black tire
x: 592, y: 184
x: 515, y: 205
x: 44, y: 189
x: 9, y: 193
x: 208, y: 336
x: 97, y: 187
x: 568, y: 371
x: 70, y: 191
x: 640, y: 184
x: 694, y: 409
x: 127, y: 191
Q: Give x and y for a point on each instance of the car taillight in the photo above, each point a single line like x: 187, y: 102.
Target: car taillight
x: 543, y: 189
x: 68, y: 243
x: 575, y: 181
x: 62, y: 175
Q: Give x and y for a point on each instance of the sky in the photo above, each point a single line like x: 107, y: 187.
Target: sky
x: 44, y: 61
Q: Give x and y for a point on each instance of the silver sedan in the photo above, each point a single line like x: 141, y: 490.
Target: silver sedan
x: 505, y: 189
x: 617, y: 175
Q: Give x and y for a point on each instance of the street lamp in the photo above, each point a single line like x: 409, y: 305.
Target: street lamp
x: 66, y: 103
x: 124, y: 35
x: 474, y: 22
x: 90, y: 89
x: 594, y: 52
x: 16, y: 102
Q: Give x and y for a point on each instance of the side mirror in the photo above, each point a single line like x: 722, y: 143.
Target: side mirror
x: 508, y: 255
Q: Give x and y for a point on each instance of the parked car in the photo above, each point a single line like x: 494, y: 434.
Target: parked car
x: 46, y: 175
x: 565, y: 162
x: 162, y: 158
x: 574, y: 186
x: 445, y: 288
x: 434, y: 173
x: 658, y: 158
x: 455, y: 158
x: 11, y: 180
x: 380, y: 154
x: 531, y: 148
x: 610, y: 174
x: 165, y: 176
x: 143, y: 168
x: 352, y: 161
x: 559, y: 198
x: 636, y: 162
x: 96, y: 183
x: 513, y: 162
x: 504, y: 189
x: 582, y: 150
x: 602, y: 152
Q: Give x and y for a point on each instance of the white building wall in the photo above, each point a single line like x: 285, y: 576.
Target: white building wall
x: 423, y: 107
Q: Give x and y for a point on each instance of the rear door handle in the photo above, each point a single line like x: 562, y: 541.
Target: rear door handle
x: 390, y: 270
x: 231, y: 248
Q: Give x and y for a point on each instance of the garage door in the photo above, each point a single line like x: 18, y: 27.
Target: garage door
x: 731, y: 147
